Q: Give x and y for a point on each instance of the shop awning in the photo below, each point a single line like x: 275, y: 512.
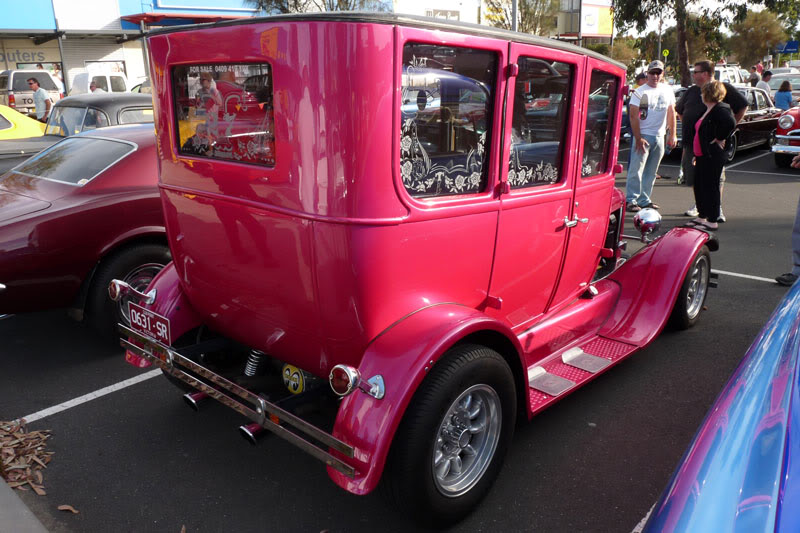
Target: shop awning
x: 176, y: 19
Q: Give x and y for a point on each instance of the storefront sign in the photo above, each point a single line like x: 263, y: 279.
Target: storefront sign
x: 21, y: 56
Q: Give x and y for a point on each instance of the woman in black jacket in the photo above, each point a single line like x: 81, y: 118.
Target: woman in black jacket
x: 712, y: 131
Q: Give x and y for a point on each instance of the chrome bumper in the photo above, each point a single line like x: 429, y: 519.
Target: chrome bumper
x: 779, y: 148
x: 266, y: 414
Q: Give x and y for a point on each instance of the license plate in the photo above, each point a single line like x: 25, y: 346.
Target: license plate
x: 149, y: 323
x: 784, y: 142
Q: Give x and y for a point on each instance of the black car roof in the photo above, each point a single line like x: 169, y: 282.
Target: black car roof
x: 403, y: 20
x: 109, y: 102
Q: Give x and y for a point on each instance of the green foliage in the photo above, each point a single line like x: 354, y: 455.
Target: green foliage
x: 753, y: 37
x: 536, y: 17
x: 600, y: 48
x: 274, y: 7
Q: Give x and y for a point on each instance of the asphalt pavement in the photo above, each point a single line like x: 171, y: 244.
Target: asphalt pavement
x: 138, y: 459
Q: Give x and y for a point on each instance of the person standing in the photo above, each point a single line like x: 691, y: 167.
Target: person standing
x: 690, y: 109
x: 708, y: 147
x: 41, y: 100
x: 763, y: 84
x: 652, y: 113
x: 754, y: 77
x: 789, y: 278
x: 783, y: 98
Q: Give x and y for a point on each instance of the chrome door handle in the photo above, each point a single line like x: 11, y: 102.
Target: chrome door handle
x: 570, y: 223
x: 582, y: 220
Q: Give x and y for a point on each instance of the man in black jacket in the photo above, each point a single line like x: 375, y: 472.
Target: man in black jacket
x: 690, y: 108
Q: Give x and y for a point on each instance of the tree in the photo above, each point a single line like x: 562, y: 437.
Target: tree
x: 305, y: 6
x: 536, y: 17
x: 752, y: 38
x: 788, y: 12
x: 624, y: 51
x: 637, y: 12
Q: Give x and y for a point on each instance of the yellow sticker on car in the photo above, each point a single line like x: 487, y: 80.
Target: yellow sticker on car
x: 293, y: 379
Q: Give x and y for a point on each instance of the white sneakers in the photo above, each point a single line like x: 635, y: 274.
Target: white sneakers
x: 692, y: 212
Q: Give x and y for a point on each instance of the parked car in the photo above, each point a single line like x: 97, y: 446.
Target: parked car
x: 784, y: 70
x: 16, y: 94
x: 793, y: 79
x: 740, y: 473
x: 732, y: 74
x: 77, y: 215
x: 757, y: 127
x: 114, y: 82
x: 15, y: 125
x: 429, y: 274
x: 787, y: 138
x: 75, y: 114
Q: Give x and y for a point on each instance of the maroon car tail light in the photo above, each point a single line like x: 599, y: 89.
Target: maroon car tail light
x: 344, y: 379
x: 119, y: 289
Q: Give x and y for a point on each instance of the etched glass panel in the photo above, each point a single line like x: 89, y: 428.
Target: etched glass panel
x: 446, y: 116
x: 539, y: 123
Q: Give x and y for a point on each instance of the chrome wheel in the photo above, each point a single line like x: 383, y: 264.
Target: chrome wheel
x: 467, y: 440
x: 698, y: 285
x: 138, y: 278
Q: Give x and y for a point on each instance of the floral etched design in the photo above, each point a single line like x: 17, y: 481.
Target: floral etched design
x: 519, y: 175
x: 426, y: 175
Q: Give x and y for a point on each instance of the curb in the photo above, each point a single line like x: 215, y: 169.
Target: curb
x: 14, y: 514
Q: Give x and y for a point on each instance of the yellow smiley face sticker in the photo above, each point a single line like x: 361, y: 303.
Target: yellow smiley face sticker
x: 293, y: 379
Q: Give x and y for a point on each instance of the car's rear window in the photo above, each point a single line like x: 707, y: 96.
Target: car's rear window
x: 118, y: 84
x: 224, y: 111
x: 21, y: 81
x: 136, y: 116
x: 76, y: 160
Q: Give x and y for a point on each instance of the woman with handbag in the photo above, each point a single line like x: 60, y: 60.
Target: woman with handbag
x: 712, y: 132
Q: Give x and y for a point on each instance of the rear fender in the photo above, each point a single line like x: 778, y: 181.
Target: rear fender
x: 649, y: 283
x: 171, y: 302
x: 403, y: 355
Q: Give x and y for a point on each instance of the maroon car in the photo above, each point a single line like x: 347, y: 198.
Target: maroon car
x: 76, y: 216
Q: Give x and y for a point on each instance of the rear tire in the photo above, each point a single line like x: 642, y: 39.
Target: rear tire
x: 730, y: 150
x: 694, y: 290
x: 453, y: 438
x: 137, y: 265
x: 783, y: 160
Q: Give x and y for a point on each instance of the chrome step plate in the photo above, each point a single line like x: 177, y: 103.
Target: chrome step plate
x: 580, y: 359
x: 541, y: 380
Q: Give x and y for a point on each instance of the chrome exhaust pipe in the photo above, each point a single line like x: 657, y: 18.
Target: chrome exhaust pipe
x: 194, y: 399
x: 252, y: 433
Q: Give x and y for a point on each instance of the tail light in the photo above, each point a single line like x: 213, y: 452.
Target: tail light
x: 344, y: 379
x: 60, y: 95
x: 12, y: 102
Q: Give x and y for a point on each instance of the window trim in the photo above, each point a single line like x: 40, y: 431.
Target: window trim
x: 173, y: 108
x: 431, y: 207
x: 74, y: 138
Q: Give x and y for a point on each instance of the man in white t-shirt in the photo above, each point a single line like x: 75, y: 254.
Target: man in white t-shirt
x: 763, y: 83
x: 652, y: 114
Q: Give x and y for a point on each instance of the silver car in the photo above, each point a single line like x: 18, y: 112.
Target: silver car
x: 15, y: 92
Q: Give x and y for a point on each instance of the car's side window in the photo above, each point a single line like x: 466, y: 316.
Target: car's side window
x: 446, y: 118
x: 118, y: 84
x: 94, y: 119
x: 600, y: 112
x: 136, y: 115
x: 4, y: 123
x: 762, y: 102
x: 540, y: 115
x: 101, y: 82
x: 751, y: 100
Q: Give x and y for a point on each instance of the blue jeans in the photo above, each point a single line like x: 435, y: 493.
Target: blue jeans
x: 642, y: 170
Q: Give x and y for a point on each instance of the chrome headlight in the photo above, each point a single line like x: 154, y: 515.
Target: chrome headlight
x: 647, y: 221
x: 786, y: 121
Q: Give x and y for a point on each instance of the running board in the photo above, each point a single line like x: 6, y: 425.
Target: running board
x: 550, y: 379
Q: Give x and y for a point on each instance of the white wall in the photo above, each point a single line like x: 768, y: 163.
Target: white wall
x: 87, y: 14
x: 466, y: 10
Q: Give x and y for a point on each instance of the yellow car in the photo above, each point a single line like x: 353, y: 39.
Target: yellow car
x: 15, y: 125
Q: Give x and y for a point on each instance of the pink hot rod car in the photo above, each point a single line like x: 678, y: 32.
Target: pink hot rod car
x: 384, y: 222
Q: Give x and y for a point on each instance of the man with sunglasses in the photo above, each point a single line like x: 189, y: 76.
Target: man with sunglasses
x: 40, y: 99
x: 652, y: 113
x: 690, y: 109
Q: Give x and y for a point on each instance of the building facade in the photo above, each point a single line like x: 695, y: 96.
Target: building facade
x: 68, y: 37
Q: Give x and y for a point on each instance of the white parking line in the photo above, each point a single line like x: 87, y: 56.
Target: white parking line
x: 747, y: 160
x: 795, y: 175
x: 746, y: 276
x: 91, y: 396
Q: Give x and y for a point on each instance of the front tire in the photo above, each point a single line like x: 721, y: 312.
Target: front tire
x: 454, y: 436
x: 783, y: 160
x: 730, y: 150
x: 136, y: 265
x: 694, y: 290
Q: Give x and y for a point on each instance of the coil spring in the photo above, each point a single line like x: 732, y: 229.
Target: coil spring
x: 254, y: 359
